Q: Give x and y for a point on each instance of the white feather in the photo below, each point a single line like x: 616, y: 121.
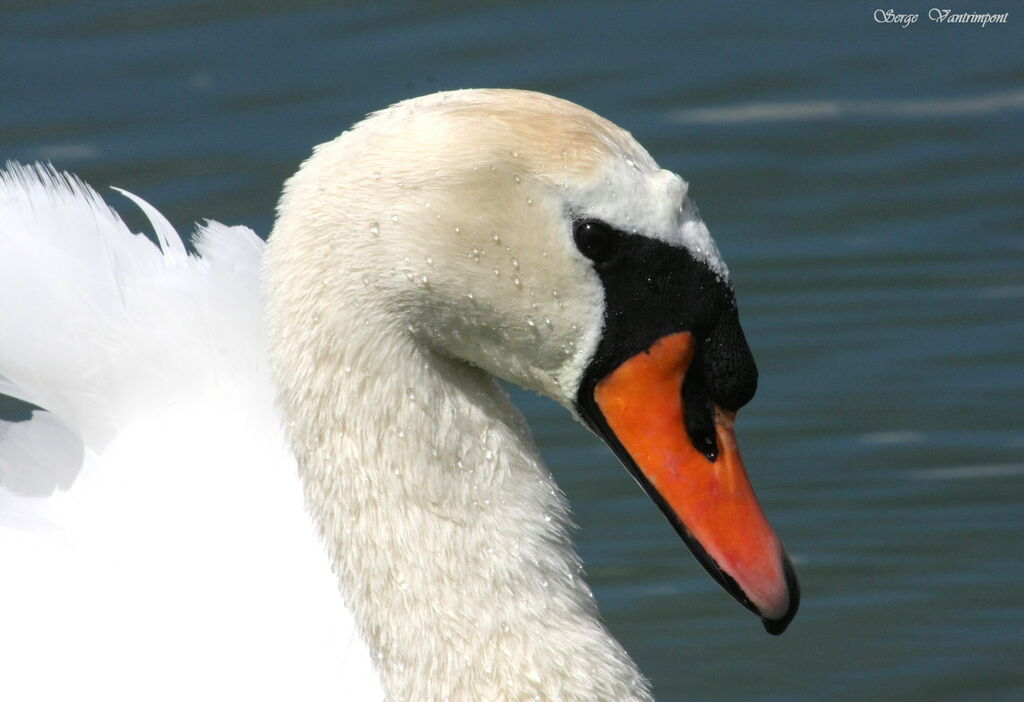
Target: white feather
x: 153, y: 535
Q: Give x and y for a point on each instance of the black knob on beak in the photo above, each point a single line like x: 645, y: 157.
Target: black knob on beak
x: 727, y: 363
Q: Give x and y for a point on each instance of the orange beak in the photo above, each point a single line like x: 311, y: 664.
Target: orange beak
x: 710, y: 502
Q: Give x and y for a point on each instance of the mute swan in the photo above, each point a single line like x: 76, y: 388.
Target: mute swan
x: 166, y: 534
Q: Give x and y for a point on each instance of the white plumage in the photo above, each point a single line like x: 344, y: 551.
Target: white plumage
x: 176, y: 560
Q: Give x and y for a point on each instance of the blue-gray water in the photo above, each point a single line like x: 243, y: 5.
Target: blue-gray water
x: 865, y: 184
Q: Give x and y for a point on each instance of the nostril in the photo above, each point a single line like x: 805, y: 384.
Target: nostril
x: 729, y: 368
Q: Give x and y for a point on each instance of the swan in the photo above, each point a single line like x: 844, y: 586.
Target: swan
x: 286, y: 471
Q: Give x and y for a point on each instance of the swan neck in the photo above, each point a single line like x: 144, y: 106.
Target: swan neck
x: 448, y: 533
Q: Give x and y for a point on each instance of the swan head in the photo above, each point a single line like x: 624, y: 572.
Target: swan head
x: 527, y: 236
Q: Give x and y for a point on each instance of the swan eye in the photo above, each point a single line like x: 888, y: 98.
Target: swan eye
x: 595, y: 240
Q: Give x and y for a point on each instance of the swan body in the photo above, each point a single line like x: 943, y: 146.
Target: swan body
x: 153, y: 536
x: 287, y: 471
